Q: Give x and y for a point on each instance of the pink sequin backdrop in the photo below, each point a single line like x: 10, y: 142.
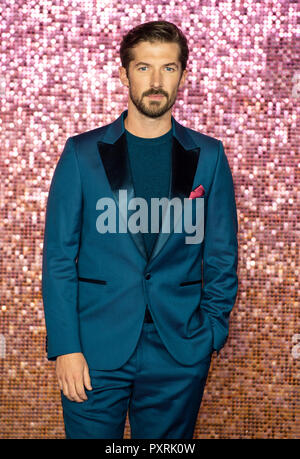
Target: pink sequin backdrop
x: 59, y: 76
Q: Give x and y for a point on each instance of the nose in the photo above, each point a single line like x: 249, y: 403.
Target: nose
x: 156, y: 79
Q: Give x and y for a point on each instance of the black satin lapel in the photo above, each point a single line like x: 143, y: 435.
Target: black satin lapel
x: 115, y: 162
x: 184, y: 166
x: 117, y: 167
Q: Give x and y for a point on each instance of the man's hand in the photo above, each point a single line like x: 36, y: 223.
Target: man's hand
x: 73, y: 374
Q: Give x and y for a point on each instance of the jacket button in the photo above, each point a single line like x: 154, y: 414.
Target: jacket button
x: 148, y: 276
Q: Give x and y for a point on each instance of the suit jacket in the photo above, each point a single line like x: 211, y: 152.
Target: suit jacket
x: 95, y: 286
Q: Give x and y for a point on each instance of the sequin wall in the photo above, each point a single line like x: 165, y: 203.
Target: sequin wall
x: 59, y: 77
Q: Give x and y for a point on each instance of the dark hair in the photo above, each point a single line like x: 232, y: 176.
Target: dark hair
x: 153, y: 31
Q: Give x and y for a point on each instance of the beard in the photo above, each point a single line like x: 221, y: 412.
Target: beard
x: 153, y: 108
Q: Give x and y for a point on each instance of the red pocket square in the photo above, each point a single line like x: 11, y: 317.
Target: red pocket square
x: 197, y: 192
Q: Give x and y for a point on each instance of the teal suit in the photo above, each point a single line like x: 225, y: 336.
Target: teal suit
x: 96, y: 286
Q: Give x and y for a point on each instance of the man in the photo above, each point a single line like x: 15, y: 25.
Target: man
x: 132, y: 316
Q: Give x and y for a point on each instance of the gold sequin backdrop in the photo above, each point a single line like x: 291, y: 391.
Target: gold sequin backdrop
x: 59, y: 77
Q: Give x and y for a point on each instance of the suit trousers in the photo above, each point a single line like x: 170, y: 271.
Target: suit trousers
x: 162, y: 397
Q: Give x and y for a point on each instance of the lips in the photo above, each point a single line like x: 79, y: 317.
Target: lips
x: 156, y: 96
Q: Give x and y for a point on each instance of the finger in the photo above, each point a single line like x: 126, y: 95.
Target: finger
x: 86, y: 378
x: 65, y: 389
x: 80, y: 389
x: 60, y: 383
x: 72, y: 391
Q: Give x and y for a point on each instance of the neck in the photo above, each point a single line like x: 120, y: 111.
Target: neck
x: 143, y: 126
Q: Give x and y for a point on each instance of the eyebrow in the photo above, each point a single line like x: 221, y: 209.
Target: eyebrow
x: 145, y: 63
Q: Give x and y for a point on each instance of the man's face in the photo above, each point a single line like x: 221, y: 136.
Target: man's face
x: 155, y: 70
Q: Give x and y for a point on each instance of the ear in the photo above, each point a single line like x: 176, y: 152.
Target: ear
x: 183, y: 78
x: 123, y: 76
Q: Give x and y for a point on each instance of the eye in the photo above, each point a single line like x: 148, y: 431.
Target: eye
x: 170, y: 68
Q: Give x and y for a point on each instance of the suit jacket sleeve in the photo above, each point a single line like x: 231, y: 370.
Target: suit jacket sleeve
x: 220, y: 251
x: 61, y: 245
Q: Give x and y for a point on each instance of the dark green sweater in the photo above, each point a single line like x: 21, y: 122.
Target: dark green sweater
x: 150, y: 162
